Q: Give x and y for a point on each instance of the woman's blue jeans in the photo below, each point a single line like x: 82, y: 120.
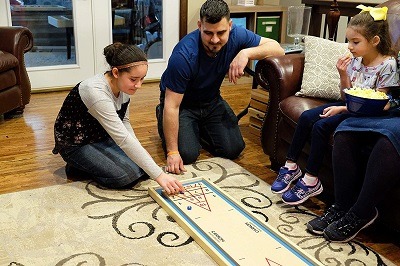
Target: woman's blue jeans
x: 311, y: 127
x: 105, y: 162
x: 212, y: 126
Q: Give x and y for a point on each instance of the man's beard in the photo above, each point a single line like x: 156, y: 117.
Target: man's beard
x: 213, y: 49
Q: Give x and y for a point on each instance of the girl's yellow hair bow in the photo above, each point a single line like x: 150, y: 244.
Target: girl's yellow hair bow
x: 378, y: 13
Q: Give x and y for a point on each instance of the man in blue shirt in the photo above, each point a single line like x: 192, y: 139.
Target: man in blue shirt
x: 192, y: 113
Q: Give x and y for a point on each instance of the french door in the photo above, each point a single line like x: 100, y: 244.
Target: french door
x: 69, y: 36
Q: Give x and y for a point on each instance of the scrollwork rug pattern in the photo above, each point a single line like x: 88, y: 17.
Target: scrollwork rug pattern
x: 81, y: 223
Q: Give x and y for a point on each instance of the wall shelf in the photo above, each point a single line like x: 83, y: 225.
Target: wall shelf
x: 259, y: 97
x: 252, y: 12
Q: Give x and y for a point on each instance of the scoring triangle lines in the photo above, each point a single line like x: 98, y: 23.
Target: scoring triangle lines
x: 195, y: 194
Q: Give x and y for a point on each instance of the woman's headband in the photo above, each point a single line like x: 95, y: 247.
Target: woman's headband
x: 378, y: 13
x: 138, y: 63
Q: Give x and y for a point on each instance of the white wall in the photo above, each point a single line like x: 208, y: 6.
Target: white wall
x: 193, y: 14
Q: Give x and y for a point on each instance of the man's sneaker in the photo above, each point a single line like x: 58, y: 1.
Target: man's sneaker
x: 284, y: 179
x: 347, y: 227
x: 300, y: 192
x: 318, y: 225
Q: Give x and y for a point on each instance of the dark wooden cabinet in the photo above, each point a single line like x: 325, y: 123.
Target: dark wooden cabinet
x: 323, y: 7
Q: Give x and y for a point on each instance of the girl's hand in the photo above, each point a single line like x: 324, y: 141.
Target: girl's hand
x: 387, y: 106
x: 342, y: 64
x: 332, y: 110
x: 385, y: 90
x: 170, y: 184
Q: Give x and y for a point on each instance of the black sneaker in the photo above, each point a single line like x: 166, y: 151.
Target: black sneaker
x: 318, y: 225
x: 347, y: 227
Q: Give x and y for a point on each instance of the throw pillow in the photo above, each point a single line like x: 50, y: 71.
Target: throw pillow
x: 320, y: 76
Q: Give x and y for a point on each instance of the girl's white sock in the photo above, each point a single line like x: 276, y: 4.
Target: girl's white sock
x: 291, y: 166
x: 310, y: 180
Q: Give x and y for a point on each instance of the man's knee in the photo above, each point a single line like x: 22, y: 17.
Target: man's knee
x: 189, y: 156
x: 231, y: 151
x: 234, y: 152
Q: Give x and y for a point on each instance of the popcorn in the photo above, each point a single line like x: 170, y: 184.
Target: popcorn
x: 366, y: 93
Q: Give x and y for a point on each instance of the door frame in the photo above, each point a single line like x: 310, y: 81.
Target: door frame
x: 183, y: 10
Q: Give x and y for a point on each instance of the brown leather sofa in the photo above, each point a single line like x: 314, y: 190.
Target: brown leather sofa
x: 15, y: 87
x: 282, y: 77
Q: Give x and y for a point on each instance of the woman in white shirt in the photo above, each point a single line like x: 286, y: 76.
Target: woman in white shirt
x: 92, y: 130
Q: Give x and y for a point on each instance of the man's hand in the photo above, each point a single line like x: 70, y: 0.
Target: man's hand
x: 175, y: 164
x: 170, y: 184
x: 171, y: 127
x: 236, y: 68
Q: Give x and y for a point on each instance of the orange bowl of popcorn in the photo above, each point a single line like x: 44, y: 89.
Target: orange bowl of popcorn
x: 366, y: 102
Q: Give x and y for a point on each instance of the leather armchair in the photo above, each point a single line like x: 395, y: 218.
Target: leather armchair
x: 15, y: 87
x: 282, y: 77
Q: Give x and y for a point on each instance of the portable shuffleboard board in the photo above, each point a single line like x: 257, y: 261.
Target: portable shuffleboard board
x: 225, y: 230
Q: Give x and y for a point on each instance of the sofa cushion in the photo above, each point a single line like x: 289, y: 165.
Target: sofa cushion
x: 320, y: 77
x: 7, y: 79
x: 7, y: 61
x: 291, y: 108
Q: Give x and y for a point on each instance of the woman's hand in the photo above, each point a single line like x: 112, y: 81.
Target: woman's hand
x: 332, y: 110
x: 170, y: 184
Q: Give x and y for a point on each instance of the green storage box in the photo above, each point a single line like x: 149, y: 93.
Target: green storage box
x: 269, y: 27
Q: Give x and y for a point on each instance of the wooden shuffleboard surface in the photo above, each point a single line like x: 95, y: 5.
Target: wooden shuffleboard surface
x: 225, y: 230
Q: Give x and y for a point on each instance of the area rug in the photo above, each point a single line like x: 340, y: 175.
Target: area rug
x: 81, y: 223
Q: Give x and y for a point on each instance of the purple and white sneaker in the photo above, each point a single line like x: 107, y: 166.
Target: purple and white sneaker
x: 284, y: 179
x: 300, y: 192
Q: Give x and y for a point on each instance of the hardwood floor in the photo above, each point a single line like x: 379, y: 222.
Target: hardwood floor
x: 26, y: 160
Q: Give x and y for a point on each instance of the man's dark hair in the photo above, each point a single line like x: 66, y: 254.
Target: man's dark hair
x: 212, y: 11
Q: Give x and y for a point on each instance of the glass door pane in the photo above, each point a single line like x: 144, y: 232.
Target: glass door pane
x: 63, y: 53
x: 51, y: 23
x: 167, y: 13
x: 139, y: 22
x: 92, y: 30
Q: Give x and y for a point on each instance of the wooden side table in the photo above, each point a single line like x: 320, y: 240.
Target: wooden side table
x: 63, y: 22
x: 67, y: 22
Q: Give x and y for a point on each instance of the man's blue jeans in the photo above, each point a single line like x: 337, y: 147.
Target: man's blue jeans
x: 212, y: 126
x: 105, y: 162
x: 311, y: 127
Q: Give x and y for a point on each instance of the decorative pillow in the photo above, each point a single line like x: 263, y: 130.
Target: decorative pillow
x: 320, y: 76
